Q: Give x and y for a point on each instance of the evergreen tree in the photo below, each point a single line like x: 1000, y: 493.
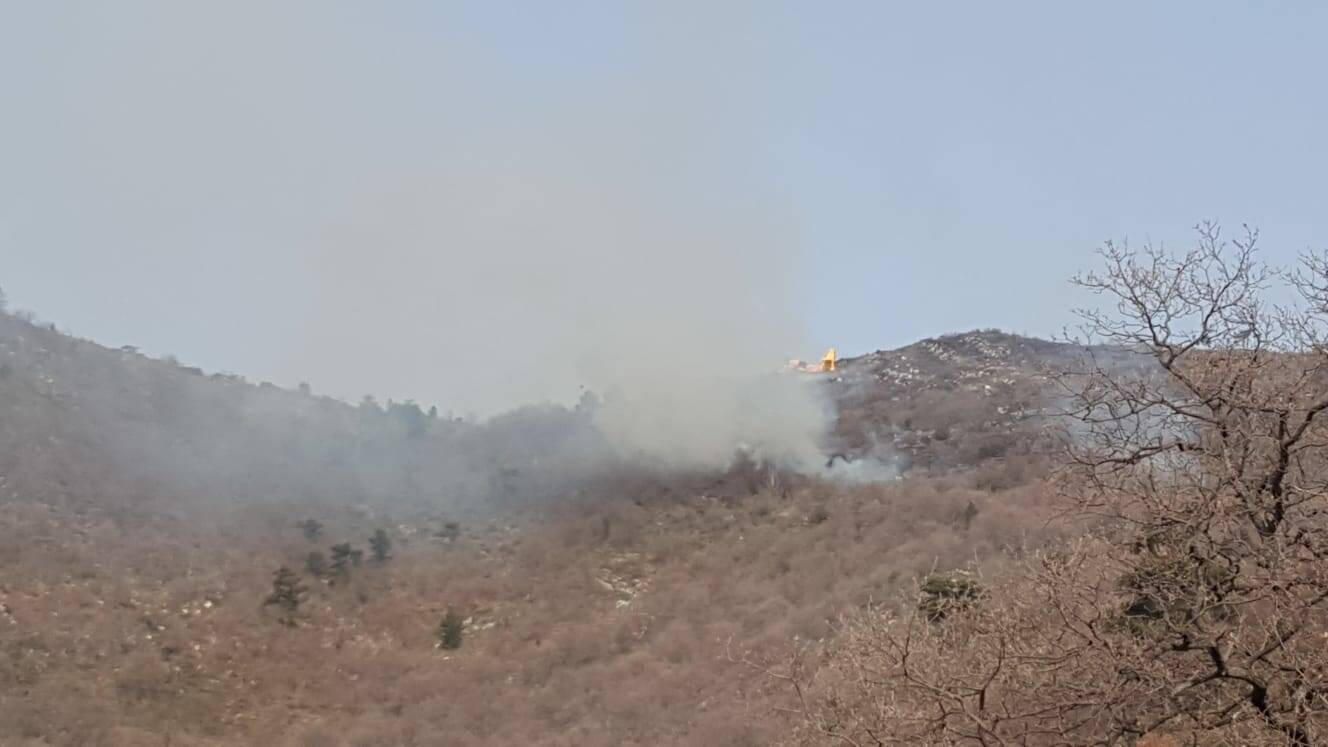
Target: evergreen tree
x: 449, y: 631
x: 287, y: 594
x: 311, y: 528
x: 343, y: 557
x: 316, y: 564
x: 380, y: 545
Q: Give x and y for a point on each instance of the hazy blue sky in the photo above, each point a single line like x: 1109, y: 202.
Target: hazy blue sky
x: 225, y: 181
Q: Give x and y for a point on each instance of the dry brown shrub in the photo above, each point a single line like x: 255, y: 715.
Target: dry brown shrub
x: 1192, y: 605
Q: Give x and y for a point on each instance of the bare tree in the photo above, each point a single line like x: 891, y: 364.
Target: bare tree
x: 1193, y: 606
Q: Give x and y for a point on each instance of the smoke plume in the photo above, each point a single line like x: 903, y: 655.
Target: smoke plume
x: 486, y: 287
x: 387, y: 205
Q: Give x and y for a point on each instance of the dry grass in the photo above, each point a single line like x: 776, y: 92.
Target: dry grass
x: 143, y: 509
x: 573, y: 638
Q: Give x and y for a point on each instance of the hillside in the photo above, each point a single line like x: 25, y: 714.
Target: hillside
x: 83, y: 421
x: 955, y: 402
x: 146, y: 506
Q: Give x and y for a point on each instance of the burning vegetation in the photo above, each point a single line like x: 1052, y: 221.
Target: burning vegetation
x: 1014, y: 542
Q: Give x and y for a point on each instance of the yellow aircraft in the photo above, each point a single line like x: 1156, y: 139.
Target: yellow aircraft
x: 828, y: 361
x: 828, y: 364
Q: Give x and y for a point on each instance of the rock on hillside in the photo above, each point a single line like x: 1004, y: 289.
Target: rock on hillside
x: 949, y: 401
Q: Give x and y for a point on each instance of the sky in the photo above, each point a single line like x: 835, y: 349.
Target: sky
x: 477, y: 204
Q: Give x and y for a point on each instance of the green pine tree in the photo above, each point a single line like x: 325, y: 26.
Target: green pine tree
x: 449, y: 631
x: 287, y: 594
x: 343, y: 558
x: 380, y: 545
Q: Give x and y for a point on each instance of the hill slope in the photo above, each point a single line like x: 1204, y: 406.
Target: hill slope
x: 145, y: 507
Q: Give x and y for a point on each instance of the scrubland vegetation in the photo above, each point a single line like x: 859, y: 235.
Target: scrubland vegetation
x: 1189, y: 608
x: 1026, y: 543
x: 193, y: 558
